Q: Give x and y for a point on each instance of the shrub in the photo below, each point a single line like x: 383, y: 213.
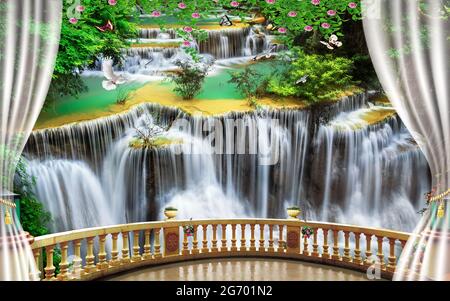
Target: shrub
x: 246, y: 82
x: 188, y: 80
x: 123, y: 95
x: 250, y: 84
x: 325, y: 77
x: 33, y: 216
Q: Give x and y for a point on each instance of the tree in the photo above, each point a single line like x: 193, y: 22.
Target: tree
x: 81, y: 43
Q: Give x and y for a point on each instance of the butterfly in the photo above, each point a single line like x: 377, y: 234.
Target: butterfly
x: 302, y: 80
x: 107, y: 26
x: 333, y: 41
x: 225, y: 21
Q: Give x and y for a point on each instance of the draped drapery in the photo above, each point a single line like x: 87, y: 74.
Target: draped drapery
x: 408, y: 42
x: 29, y: 37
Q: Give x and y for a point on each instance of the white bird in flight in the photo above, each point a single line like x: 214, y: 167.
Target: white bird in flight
x: 113, y: 80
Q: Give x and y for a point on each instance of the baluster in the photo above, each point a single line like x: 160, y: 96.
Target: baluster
x: 205, y: 239
x: 50, y: 268
x: 233, y: 238
x: 90, y: 266
x: 115, y: 251
x: 392, y: 259
x: 37, y: 257
x: 347, y: 257
x: 271, y: 248
x: 125, y: 251
x: 326, y: 253
x: 136, y: 247
x: 102, y: 264
x: 214, y: 239
x: 243, y: 246
x: 315, y: 251
x: 195, y: 238
x: 223, y: 242
x: 261, y: 246
x: 77, y: 261
x: 380, y: 254
x: 368, y: 260
x: 185, y: 250
x: 147, y: 247
x: 281, y: 242
x: 252, y: 238
x: 305, y: 246
x: 335, y: 255
x: 64, y: 264
x: 357, y: 259
x: 157, y: 238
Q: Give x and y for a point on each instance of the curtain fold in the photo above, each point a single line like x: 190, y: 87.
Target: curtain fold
x: 29, y: 38
x: 409, y: 43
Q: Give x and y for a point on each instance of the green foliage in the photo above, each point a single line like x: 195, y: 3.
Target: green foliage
x: 33, y: 216
x: 188, y: 80
x: 326, y: 77
x: 81, y: 43
x: 250, y: 84
x: 246, y: 82
x: 123, y: 94
x: 278, y: 12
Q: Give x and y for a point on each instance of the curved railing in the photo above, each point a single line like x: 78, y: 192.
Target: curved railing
x: 95, y: 252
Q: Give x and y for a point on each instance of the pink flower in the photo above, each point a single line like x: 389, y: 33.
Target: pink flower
x: 156, y: 13
x: 181, y: 5
x: 352, y: 5
x: 186, y: 43
x: 73, y: 20
x: 292, y: 13
x: 325, y: 25
x: 112, y: 2
x: 315, y: 2
x: 195, y: 15
x: 80, y: 8
x: 270, y: 1
x: 331, y: 12
x: 308, y: 28
x: 187, y: 29
x: 234, y: 3
x: 282, y: 30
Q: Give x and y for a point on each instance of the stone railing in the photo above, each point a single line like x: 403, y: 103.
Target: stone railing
x: 102, y: 251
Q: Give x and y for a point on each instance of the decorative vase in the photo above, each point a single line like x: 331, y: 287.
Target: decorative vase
x: 293, y: 213
x: 170, y: 214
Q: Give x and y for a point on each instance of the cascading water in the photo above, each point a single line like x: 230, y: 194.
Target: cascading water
x: 377, y: 169
x: 362, y: 174
x: 73, y: 190
x: 230, y: 43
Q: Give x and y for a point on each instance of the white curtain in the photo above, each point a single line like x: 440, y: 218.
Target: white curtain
x: 29, y: 38
x: 408, y: 42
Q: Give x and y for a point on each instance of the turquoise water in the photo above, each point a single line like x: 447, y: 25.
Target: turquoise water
x: 215, y: 87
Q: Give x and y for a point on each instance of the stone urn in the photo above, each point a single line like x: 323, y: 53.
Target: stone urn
x: 170, y: 213
x: 293, y: 212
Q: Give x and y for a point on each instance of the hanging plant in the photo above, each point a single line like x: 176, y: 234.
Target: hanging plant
x: 307, y: 231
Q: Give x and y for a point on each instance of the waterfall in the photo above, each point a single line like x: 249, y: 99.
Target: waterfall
x: 377, y: 169
x: 72, y: 191
x: 227, y: 43
x: 343, y: 170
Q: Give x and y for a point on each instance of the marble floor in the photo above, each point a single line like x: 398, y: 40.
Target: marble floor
x: 241, y: 269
